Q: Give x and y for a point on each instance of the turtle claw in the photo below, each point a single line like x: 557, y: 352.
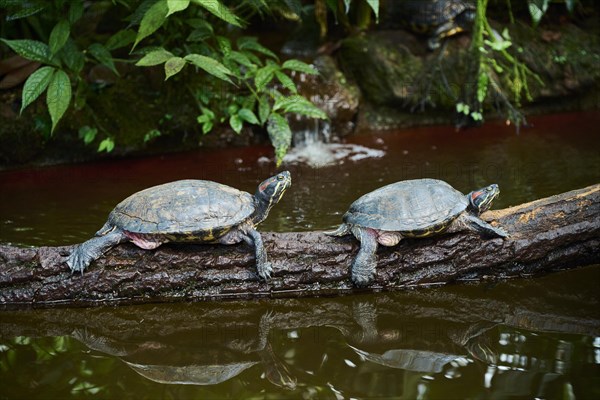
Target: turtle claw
x: 265, y: 270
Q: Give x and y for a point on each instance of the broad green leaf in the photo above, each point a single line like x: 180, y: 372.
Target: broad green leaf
x: 263, y: 76
x: 264, y: 109
x: 87, y: 134
x: 286, y: 81
x: 297, y: 65
x: 224, y: 45
x: 251, y: 43
x: 30, y: 49
x: 210, y: 65
x: 120, y: 39
x: 25, y: 12
x: 154, y: 58
x: 176, y: 6
x: 173, y: 66
x: 236, y: 123
x: 537, y: 9
x: 72, y: 57
x: 299, y: 105
x: 241, y: 59
x: 374, y: 4
x: 59, y: 35
x: 219, y: 10
x: 35, y: 85
x: 58, y: 96
x: 248, y: 116
x: 152, y: 20
x: 280, y: 135
x: 253, y: 58
x: 75, y: 11
x: 101, y: 54
x: 107, y: 145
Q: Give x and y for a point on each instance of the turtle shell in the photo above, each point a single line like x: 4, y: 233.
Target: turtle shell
x: 415, y: 208
x: 424, y: 16
x: 202, y: 210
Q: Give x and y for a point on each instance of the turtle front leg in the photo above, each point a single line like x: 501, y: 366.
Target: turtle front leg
x: 474, y: 223
x: 365, y: 263
x: 253, y: 238
x: 86, y: 252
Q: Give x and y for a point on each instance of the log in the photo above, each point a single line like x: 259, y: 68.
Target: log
x: 555, y: 233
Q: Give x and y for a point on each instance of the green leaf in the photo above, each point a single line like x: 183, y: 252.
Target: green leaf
x: 219, y: 10
x: 35, y: 85
x: 297, y: 65
x: 176, y: 6
x: 251, y: 43
x: 210, y: 65
x: 75, y: 11
x: 120, y: 39
x: 299, y: 105
x: 286, y: 81
x: 236, y: 123
x: 173, y: 66
x: 58, y: 96
x: 30, y: 49
x: 264, y: 109
x: 59, y: 35
x: 107, y: 145
x: 154, y: 58
x: 101, y: 54
x: 280, y: 135
x: 152, y: 20
x: 248, y: 116
x: 88, y: 134
x: 482, y: 86
x: 263, y: 76
x: 25, y: 12
x: 224, y: 45
x: 537, y: 9
x: 374, y: 4
x: 241, y: 59
x: 72, y: 57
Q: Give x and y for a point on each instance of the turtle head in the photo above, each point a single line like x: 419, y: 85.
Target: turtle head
x: 269, y: 192
x: 481, y: 200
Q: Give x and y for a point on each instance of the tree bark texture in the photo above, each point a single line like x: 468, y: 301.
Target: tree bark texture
x: 558, y: 232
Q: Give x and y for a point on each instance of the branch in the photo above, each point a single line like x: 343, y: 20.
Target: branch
x: 554, y: 233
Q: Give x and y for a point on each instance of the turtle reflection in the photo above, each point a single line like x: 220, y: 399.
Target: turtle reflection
x: 185, y: 361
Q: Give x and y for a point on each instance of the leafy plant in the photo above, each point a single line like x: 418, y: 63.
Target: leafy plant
x: 537, y: 8
x: 341, y: 10
x: 242, y: 82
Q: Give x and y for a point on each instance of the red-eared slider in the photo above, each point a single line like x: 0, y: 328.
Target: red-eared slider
x: 438, y: 19
x: 187, y: 211
x: 415, y: 209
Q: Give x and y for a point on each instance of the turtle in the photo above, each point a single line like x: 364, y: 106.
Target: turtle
x: 196, y: 211
x: 438, y: 19
x: 412, y: 209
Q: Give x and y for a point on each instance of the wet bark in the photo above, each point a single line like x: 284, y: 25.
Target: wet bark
x: 559, y: 232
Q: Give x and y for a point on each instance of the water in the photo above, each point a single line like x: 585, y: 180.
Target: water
x: 516, y: 340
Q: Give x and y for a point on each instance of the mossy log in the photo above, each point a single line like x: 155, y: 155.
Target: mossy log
x: 558, y: 232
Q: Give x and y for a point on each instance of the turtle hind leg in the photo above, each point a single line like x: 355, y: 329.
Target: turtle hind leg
x: 86, y: 252
x: 365, y: 263
x: 474, y: 223
x: 342, y: 230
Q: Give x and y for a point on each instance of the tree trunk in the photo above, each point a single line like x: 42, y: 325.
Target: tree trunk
x: 559, y: 232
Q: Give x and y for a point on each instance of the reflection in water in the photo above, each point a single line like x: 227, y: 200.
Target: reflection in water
x: 520, y: 339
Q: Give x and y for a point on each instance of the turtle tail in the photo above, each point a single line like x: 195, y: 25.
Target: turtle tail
x: 342, y: 230
x: 86, y: 252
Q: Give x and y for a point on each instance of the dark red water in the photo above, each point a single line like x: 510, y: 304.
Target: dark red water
x: 67, y: 204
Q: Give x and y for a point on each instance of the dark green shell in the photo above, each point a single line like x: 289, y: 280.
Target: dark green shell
x: 202, y: 210
x: 418, y: 207
x: 425, y: 15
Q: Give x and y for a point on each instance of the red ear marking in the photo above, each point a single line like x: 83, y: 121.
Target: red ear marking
x: 263, y: 186
x: 475, y: 195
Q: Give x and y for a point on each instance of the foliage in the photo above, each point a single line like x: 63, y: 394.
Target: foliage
x: 537, y: 8
x: 343, y: 10
x: 495, y: 64
x: 243, y: 82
